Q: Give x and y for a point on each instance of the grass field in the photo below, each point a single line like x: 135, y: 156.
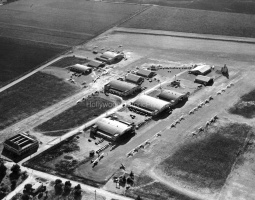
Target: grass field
x: 245, y: 106
x: 18, y: 57
x: 237, y: 6
x: 207, y: 163
x: 149, y: 189
x: 30, y: 96
x: 194, y: 21
x: 75, y: 116
x: 61, y: 22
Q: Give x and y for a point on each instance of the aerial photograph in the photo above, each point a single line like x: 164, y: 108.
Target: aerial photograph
x: 127, y: 99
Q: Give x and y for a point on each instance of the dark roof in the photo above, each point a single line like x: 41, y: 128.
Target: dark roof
x: 94, y: 63
x: 205, y: 79
x: 19, y: 141
x: 133, y: 78
x: 145, y: 72
x: 151, y: 103
x: 121, y: 85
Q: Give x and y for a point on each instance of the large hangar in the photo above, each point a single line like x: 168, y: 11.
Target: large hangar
x: 122, y: 88
x: 145, y: 73
x: 111, y: 129
x: 200, y: 70
x: 150, y: 105
x: 132, y: 78
x: 110, y: 57
x: 172, y: 96
x: 80, y: 69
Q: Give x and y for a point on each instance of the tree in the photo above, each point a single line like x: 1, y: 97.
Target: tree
x: 67, y: 187
x: 58, y: 186
x: 77, y: 190
x: 138, y: 198
x: 13, y: 184
x: 132, y: 175
x: 15, y: 169
x: 3, y: 169
x: 25, y: 197
x: 28, y: 189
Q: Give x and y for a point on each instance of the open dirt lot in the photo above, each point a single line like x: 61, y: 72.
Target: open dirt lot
x: 194, y: 21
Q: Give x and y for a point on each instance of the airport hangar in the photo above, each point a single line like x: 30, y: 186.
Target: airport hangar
x: 81, y: 69
x: 111, y: 129
x: 205, y: 80
x: 149, y: 105
x: 172, y: 96
x: 110, y: 57
x: 200, y: 70
x: 145, y: 73
x: 122, y: 88
x: 132, y: 78
x: 95, y: 64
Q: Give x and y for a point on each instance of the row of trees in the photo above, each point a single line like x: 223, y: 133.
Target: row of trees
x: 66, y: 188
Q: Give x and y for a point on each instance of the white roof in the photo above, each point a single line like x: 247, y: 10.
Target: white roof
x: 201, y: 68
x: 110, y: 54
x: 81, y: 67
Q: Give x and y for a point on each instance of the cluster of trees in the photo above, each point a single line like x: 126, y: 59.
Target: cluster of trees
x: 30, y: 191
x: 66, y: 188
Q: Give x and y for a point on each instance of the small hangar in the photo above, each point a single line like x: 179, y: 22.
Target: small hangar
x: 145, y: 73
x: 122, y: 88
x: 132, y: 78
x: 205, y: 80
x: 111, y: 129
x: 21, y: 144
x: 80, y: 69
x: 149, y: 105
x: 172, y: 96
x: 200, y: 70
x: 95, y: 64
x: 110, y: 57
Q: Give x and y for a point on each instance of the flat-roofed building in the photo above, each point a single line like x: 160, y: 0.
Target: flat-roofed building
x: 110, y: 57
x: 205, y: 80
x: 95, y: 64
x: 200, y: 70
x: 132, y: 78
x: 80, y: 68
x: 150, y: 105
x: 172, y: 96
x: 111, y: 129
x: 145, y: 73
x: 21, y: 144
x: 122, y: 88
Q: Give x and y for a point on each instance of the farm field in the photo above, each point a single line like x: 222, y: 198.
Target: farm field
x: 75, y: 116
x: 237, y: 6
x: 31, y: 95
x: 19, y: 56
x: 208, y: 162
x: 60, y: 21
x: 194, y: 21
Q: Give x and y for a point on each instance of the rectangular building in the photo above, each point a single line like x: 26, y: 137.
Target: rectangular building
x: 95, y: 64
x: 110, y: 57
x: 122, y: 88
x: 200, y: 70
x: 21, y: 144
x: 145, y: 73
x: 132, y: 78
x: 172, y: 96
x: 205, y: 80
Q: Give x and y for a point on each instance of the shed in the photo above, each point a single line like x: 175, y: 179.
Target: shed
x: 145, y: 73
x: 80, y: 68
x: 205, y: 80
x: 152, y: 104
x: 201, y: 70
x: 132, y: 78
x: 95, y: 64
x: 172, y: 96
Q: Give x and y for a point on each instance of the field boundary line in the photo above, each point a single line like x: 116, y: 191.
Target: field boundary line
x: 186, y: 35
